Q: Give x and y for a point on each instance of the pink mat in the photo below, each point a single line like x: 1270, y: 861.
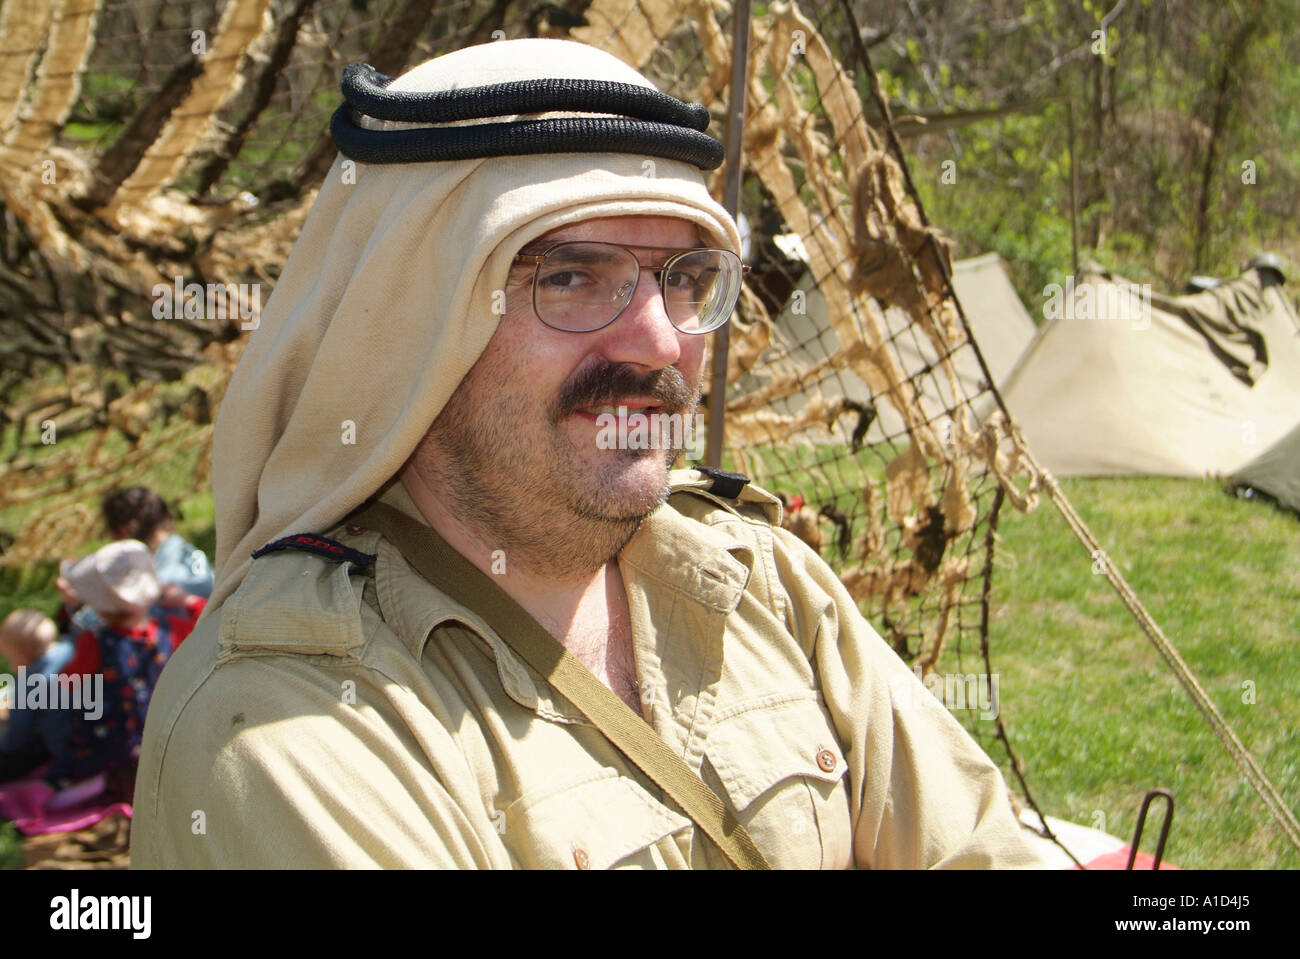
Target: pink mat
x: 26, y: 802
x: 1119, y: 860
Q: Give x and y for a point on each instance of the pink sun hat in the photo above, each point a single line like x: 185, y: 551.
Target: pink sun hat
x: 119, y: 578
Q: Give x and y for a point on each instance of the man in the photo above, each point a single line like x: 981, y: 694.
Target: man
x: 445, y: 339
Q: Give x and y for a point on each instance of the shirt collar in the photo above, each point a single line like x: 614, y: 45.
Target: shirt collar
x: 413, y: 608
x: 701, y: 564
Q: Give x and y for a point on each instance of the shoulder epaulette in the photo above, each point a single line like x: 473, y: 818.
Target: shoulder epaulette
x: 321, y: 546
x: 724, y: 484
x: 732, y: 491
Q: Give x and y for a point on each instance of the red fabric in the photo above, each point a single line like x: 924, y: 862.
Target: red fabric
x: 85, y: 658
x: 182, y: 626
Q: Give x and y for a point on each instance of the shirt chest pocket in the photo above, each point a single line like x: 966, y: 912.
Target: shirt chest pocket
x: 781, y: 769
x: 605, y: 821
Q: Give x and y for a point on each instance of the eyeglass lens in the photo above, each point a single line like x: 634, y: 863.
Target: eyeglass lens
x: 583, y: 286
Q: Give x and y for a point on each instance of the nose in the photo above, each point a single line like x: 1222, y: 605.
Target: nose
x: 643, y: 334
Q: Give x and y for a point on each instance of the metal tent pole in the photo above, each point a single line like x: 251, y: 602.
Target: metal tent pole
x: 731, y: 200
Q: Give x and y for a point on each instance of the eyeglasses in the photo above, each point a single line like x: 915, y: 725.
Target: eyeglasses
x: 583, y: 286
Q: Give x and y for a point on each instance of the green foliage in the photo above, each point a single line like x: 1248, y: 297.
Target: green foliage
x: 108, y: 99
x: 90, y: 132
x: 996, y: 205
x: 1172, y: 98
x: 11, y: 854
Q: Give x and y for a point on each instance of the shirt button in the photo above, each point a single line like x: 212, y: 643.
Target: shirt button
x: 581, y: 859
x: 826, y: 760
x: 354, y: 530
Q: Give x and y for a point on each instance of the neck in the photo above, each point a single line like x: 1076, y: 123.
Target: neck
x: 560, y: 569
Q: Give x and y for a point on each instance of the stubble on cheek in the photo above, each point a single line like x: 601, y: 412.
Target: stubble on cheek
x: 512, y: 465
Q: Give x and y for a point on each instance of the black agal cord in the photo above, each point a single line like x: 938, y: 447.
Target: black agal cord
x: 644, y: 121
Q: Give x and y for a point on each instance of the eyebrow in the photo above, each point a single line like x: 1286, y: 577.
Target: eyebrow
x: 657, y: 257
x: 601, y: 255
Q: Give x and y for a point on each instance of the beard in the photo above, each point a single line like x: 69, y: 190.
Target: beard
x: 514, y: 476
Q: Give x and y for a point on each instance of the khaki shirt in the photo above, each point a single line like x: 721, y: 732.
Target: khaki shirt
x: 335, y: 716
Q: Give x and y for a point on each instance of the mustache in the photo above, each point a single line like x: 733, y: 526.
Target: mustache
x: 611, y: 382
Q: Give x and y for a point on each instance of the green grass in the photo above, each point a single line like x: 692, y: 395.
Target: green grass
x: 1092, y: 709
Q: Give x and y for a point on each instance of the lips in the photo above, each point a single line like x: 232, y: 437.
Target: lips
x: 620, y: 409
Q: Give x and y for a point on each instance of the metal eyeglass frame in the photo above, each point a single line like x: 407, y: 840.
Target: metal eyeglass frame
x: 537, y: 259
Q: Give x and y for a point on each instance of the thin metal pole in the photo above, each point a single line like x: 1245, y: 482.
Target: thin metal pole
x: 731, y: 200
x: 1074, y: 191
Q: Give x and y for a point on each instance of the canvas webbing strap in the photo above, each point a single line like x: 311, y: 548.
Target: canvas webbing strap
x: 445, y: 568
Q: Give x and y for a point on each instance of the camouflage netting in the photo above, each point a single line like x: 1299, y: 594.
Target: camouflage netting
x: 146, y: 141
x: 847, y: 407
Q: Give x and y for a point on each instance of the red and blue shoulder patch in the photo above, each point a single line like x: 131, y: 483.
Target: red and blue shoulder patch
x: 321, y: 546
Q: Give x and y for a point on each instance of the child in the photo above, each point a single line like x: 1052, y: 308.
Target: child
x: 30, y: 641
x: 128, y: 649
x: 139, y: 513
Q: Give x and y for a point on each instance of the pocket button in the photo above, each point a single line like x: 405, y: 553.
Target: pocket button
x: 826, y: 760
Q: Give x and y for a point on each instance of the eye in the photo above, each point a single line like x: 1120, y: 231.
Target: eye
x: 564, y: 279
x: 690, y: 280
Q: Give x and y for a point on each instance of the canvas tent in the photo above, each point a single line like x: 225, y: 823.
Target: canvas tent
x: 1121, y: 381
x: 999, y: 322
x: 1276, y: 471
